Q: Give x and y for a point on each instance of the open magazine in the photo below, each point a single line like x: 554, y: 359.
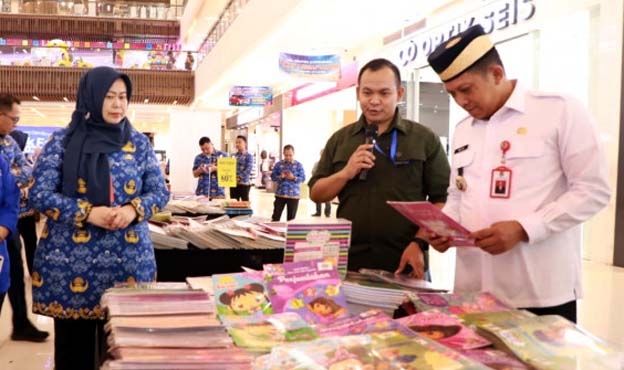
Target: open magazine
x: 432, y: 219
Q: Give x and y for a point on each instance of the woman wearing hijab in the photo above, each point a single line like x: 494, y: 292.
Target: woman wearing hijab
x: 98, y: 181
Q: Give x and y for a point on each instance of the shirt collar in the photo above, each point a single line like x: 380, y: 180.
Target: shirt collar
x: 515, y: 102
x: 397, y: 123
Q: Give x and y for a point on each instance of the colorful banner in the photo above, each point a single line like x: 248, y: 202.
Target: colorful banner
x: 37, y: 136
x: 92, y: 45
x: 226, y: 172
x: 256, y: 96
x: 318, y: 67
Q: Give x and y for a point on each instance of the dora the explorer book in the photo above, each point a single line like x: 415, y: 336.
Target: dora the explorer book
x: 310, y: 288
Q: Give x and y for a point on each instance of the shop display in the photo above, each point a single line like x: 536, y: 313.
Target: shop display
x: 366, y: 322
x: 401, y: 280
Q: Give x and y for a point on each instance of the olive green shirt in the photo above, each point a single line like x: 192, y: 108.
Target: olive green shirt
x: 420, y: 172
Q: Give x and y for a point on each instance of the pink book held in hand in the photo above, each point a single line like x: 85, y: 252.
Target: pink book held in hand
x: 432, y: 219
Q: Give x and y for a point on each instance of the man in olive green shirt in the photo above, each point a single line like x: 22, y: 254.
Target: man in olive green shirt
x: 407, y: 163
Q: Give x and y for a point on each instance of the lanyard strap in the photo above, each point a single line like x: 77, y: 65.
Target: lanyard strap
x: 393, y: 147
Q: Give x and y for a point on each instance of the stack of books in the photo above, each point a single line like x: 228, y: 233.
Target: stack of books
x: 167, y: 326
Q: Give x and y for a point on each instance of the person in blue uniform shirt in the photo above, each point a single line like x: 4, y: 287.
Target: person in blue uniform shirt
x: 205, y: 169
x: 288, y: 174
x: 27, y: 222
x: 244, y: 164
x: 9, y: 205
x: 23, y: 328
x: 98, y: 181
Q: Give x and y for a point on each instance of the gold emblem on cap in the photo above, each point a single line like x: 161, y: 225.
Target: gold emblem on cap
x: 453, y: 42
x: 522, y: 130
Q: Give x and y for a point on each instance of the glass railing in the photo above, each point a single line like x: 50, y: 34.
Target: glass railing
x: 156, y: 9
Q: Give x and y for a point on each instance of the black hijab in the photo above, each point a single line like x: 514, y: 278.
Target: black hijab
x: 90, y: 139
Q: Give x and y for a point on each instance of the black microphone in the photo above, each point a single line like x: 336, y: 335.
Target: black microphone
x: 371, y: 136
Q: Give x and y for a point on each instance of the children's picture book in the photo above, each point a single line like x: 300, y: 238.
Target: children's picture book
x: 366, y: 322
x: 432, y: 219
x: 458, y: 303
x: 401, y: 280
x: 261, y: 333
x: 510, y: 317
x: 347, y: 352
x: 385, y: 350
x: 241, y: 293
x: 495, y: 359
x: 397, y: 351
x: 310, y: 288
x: 315, y: 239
x: 552, y: 342
x: 444, y: 329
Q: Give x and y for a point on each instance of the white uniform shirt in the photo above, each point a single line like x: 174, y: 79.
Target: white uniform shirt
x: 559, y: 180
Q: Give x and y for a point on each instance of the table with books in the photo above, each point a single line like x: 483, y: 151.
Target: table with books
x: 298, y: 315
x: 194, y: 237
x: 310, y: 313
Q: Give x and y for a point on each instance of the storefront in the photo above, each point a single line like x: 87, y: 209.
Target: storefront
x: 571, y: 47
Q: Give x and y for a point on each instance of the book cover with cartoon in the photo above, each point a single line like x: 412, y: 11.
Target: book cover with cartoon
x: 552, y: 342
x: 242, y: 294
x: 444, y: 329
x: 495, y: 359
x: 394, y: 350
x: 310, y: 288
x: 335, y: 353
x: 458, y: 303
x: 366, y: 322
x: 261, y: 333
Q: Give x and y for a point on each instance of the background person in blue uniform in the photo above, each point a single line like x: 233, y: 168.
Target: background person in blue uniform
x: 27, y: 222
x: 98, y: 181
x: 23, y: 329
x: 205, y: 169
x: 244, y: 164
x: 9, y: 206
x: 288, y: 174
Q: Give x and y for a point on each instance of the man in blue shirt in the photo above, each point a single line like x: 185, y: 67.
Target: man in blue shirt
x: 23, y: 329
x: 9, y: 206
x: 244, y: 164
x: 288, y: 174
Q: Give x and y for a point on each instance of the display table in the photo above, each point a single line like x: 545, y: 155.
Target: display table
x: 176, y: 265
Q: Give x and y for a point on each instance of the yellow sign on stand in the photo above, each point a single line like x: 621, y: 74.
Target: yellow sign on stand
x: 226, y: 172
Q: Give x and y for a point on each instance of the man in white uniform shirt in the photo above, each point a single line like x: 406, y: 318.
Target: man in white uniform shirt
x: 527, y: 170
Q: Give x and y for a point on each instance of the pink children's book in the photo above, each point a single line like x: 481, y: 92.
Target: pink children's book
x: 444, y: 329
x: 432, y: 219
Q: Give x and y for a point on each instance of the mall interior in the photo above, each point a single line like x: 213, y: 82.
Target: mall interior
x: 189, y: 61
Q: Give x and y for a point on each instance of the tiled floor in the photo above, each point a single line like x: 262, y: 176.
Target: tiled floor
x: 600, y: 312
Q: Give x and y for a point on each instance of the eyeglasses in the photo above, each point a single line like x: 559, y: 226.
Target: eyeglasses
x: 14, y: 119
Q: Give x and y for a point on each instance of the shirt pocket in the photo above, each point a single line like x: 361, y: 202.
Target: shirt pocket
x: 410, y: 166
x: 463, y: 159
x: 341, y: 158
x: 524, y: 149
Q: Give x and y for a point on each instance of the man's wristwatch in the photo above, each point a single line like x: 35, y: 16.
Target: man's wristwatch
x: 424, y: 246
